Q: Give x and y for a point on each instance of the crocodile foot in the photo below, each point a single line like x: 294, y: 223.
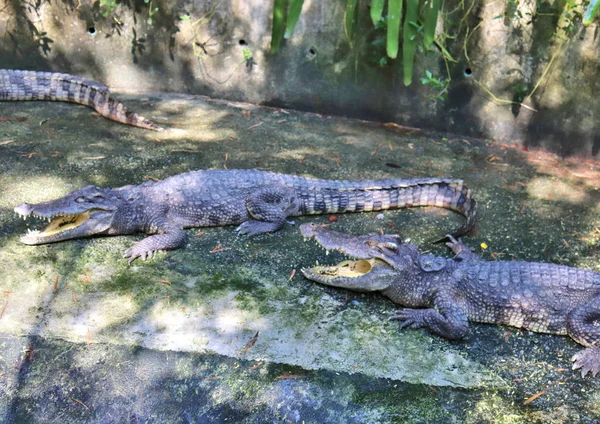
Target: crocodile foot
x: 411, y: 318
x: 588, y: 360
x: 457, y: 246
x: 138, y: 251
x: 255, y: 228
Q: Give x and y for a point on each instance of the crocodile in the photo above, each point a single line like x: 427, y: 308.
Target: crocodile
x: 259, y: 201
x: 443, y: 294
x: 17, y: 85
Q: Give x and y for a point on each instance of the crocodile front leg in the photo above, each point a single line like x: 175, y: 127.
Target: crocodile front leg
x: 169, y: 239
x: 583, y: 327
x: 268, y: 208
x: 445, y: 319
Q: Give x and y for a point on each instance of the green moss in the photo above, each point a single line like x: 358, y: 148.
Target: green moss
x: 403, y: 403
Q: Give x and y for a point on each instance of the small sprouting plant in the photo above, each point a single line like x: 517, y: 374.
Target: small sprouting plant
x: 109, y: 4
x: 247, y: 54
x: 248, y: 57
x: 520, y: 92
x: 438, y: 85
x: 151, y: 11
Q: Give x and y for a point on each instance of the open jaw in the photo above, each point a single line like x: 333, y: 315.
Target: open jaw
x: 360, y: 275
x: 64, y: 226
x: 367, y: 273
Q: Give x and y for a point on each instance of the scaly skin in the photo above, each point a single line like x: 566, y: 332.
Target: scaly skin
x: 448, y: 293
x: 18, y: 85
x: 259, y: 201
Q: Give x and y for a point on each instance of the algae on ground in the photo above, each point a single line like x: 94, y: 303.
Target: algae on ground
x: 193, y: 301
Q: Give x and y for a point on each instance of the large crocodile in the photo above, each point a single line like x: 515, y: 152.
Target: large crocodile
x: 31, y: 85
x: 541, y: 297
x: 259, y: 201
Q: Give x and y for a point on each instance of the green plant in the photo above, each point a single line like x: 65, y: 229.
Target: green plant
x: 285, y: 17
x: 438, y: 85
x: 109, y: 5
x: 418, y: 22
x: 151, y: 11
x: 520, y: 92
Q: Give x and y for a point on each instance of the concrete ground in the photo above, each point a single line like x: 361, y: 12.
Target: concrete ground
x: 86, y: 338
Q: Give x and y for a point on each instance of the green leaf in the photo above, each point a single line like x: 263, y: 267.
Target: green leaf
x: 279, y: 11
x: 351, y: 14
x: 446, y: 54
x: 409, y: 46
x: 376, y: 10
x: 293, y: 15
x: 591, y: 12
x: 432, y: 8
x: 393, y: 30
x: 428, y: 74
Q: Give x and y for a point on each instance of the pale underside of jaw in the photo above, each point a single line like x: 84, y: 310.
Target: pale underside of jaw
x: 345, y: 269
x: 58, y: 224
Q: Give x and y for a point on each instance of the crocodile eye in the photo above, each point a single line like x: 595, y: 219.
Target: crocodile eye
x: 80, y: 199
x: 98, y: 197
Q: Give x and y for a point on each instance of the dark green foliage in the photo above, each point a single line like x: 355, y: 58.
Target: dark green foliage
x: 376, y: 10
x: 393, y: 34
x: 351, y: 17
x: 293, y: 15
x: 432, y: 8
x: 409, y: 46
x: 279, y: 15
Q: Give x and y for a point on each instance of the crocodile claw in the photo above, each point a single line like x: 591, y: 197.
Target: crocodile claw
x: 138, y: 252
x: 411, y: 318
x: 588, y: 360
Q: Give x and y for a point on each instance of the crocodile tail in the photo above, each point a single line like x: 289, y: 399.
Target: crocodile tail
x: 462, y: 201
x: 442, y: 193
x: 50, y: 86
x: 329, y: 196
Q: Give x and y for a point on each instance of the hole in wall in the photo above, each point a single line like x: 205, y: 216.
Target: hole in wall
x: 311, y: 53
x: 242, y: 42
x: 468, y: 72
x: 91, y: 30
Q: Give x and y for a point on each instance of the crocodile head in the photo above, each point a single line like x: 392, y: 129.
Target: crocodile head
x: 80, y: 213
x: 380, y: 259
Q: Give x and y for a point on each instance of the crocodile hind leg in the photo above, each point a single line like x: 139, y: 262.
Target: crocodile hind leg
x: 461, y: 250
x: 172, y: 238
x: 268, y: 209
x: 583, y: 325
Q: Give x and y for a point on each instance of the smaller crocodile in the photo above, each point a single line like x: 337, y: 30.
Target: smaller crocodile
x: 448, y: 293
x: 258, y: 201
x: 17, y: 85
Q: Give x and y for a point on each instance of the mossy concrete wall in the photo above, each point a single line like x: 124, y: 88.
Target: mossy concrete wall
x: 523, y: 72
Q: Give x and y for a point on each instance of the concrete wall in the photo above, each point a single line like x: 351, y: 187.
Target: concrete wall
x: 502, y: 50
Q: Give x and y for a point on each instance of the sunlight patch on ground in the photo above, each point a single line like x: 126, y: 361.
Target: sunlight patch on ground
x: 545, y: 188
x: 27, y: 189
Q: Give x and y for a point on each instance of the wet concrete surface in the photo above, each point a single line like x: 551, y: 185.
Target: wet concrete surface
x: 87, y: 338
